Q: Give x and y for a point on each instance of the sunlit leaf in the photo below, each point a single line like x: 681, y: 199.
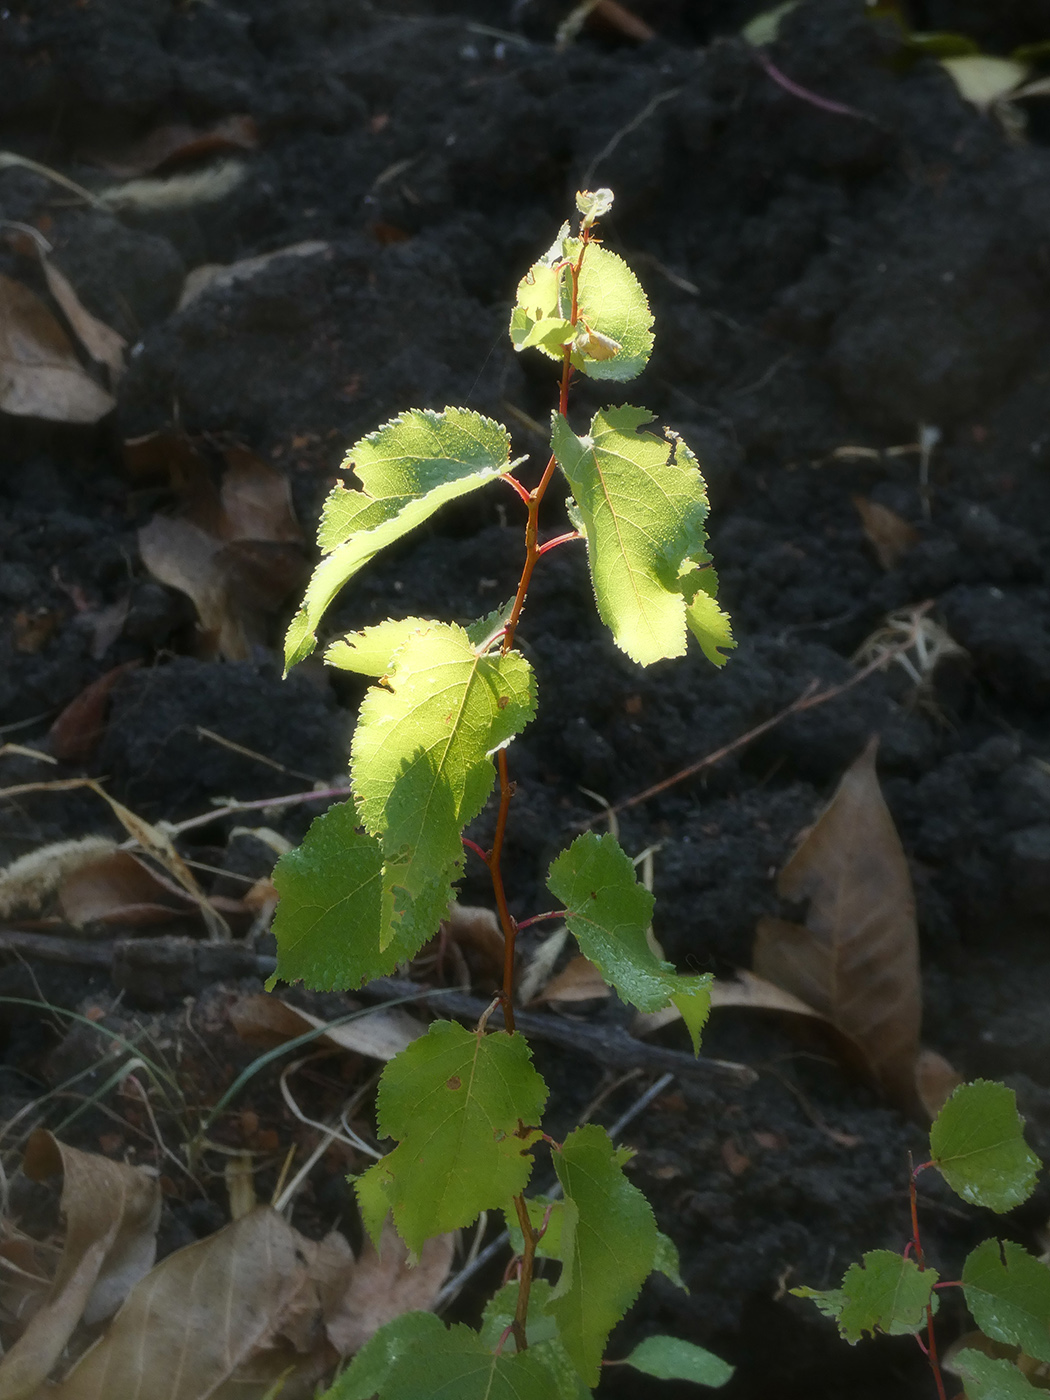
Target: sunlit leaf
x: 455, y: 1101
x: 604, y: 1268
x: 642, y: 504
x: 408, y: 469
x: 978, y: 1145
x: 989, y: 1379
x: 608, y: 912
x: 1008, y: 1291
x: 885, y: 1293
x: 369, y: 651
x: 612, y: 304
x: 594, y: 205
x: 671, y: 1359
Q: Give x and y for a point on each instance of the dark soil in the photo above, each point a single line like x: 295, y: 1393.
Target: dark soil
x: 820, y: 281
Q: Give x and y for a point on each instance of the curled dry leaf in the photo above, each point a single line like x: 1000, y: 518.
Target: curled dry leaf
x: 237, y: 1309
x: 380, y: 1034
x: 477, y: 932
x: 75, y: 734
x: 182, y: 556
x: 888, y: 534
x: 256, y: 500
x: 579, y: 980
x: 178, y: 142
x: 105, y: 345
x: 219, y: 275
x: 935, y: 1080
x: 111, y: 1213
x: 745, y: 990
x: 40, y: 375
x: 856, y: 958
x: 117, y: 888
x: 30, y: 881
x: 386, y: 1284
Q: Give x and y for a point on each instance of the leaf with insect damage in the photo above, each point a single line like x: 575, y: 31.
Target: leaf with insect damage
x: 461, y: 1104
x: 641, y: 502
x: 883, y: 1293
x: 856, y: 958
x: 408, y: 469
x: 1008, y: 1291
x: 608, y: 913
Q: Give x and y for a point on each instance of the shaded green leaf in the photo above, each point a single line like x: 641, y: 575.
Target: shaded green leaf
x: 671, y: 1359
x: 989, y: 1379
x: 369, y: 651
x: 541, y: 1331
x: 421, y: 750
x: 608, y: 912
x: 641, y: 503
x: 885, y: 1293
x: 1008, y: 1291
x: 455, y: 1101
x: 332, y: 925
x: 978, y: 1145
x: 667, y: 1261
x: 610, y: 1242
x: 408, y: 469
x: 460, y: 1365
x: 369, y: 1372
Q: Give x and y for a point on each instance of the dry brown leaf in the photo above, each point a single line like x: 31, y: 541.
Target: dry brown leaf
x: 385, y: 1285
x: 119, y: 889
x: 856, y: 959
x: 40, y: 375
x: 380, y: 1034
x: 182, y: 556
x: 888, y: 534
x: 28, y: 882
x: 579, y: 980
x: 105, y: 345
x: 477, y: 932
x: 111, y: 1213
x: 746, y: 990
x: 177, y: 142
x: 75, y: 734
x: 256, y: 500
x: 212, y: 1314
x: 219, y: 275
x: 538, y: 970
x: 935, y: 1080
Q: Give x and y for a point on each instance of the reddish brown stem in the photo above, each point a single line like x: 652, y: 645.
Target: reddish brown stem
x: 559, y: 539
x: 916, y: 1239
x: 525, y: 1277
x: 536, y: 918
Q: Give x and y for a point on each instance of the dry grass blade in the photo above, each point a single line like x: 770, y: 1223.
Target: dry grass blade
x: 381, y: 1034
x: 234, y: 1310
x: 111, y: 1213
x: 856, y: 958
x: 40, y: 375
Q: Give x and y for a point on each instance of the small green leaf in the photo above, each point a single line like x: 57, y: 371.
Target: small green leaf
x: 549, y: 1245
x: 765, y: 27
x: 421, y: 752
x: 978, y: 1145
x: 369, y: 1372
x: 479, y: 632
x: 988, y: 1379
x: 710, y: 626
x: 642, y: 503
x: 369, y: 651
x: 667, y: 1261
x: 542, y: 303
x: 593, y: 205
x: 610, y: 302
x: 331, y: 927
x: 1008, y: 1292
x: 671, y: 1359
x: 460, y: 1365
x: 943, y: 44
x: 541, y: 1331
x: 408, y: 469
x: 885, y: 1292
x: 610, y: 1243
x: 984, y: 79
x: 608, y: 912
x: 455, y: 1101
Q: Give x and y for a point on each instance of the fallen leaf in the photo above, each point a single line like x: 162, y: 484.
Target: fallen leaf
x: 219, y: 275
x: 30, y: 881
x: 579, y: 980
x: 33, y: 630
x: 40, y: 375
x: 380, y: 1034
x: 177, y: 142
x: 228, y: 1311
x: 477, y: 932
x: 935, y: 1080
x: 119, y: 889
x: 184, y: 557
x: 736, y: 1162
x: 256, y: 500
x: 538, y: 970
x: 889, y: 535
x: 746, y: 990
x: 105, y: 345
x: 856, y: 958
x: 111, y: 1213
x: 386, y: 1284
x: 75, y: 734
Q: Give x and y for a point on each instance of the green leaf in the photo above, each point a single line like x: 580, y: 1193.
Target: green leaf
x: 369, y: 1372
x: 593, y: 205
x: 977, y: 1143
x: 710, y: 626
x: 610, y: 301
x: 332, y: 925
x: 642, y: 504
x: 421, y: 751
x: 608, y: 912
x: 988, y: 1379
x: 369, y: 651
x: 765, y: 27
x: 541, y: 1331
x: 455, y: 1101
x: 408, y: 469
x: 667, y: 1261
x: 460, y: 1366
x: 984, y: 79
x: 610, y: 1243
x: 481, y: 631
x: 1008, y: 1292
x: 885, y: 1292
x: 671, y: 1359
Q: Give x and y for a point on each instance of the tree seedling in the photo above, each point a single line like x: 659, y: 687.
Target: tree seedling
x: 373, y: 879
x: 977, y: 1145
